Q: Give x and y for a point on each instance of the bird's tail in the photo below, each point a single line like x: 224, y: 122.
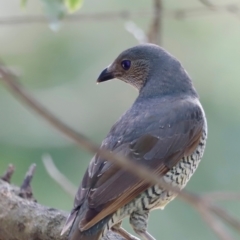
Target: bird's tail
x: 73, y: 221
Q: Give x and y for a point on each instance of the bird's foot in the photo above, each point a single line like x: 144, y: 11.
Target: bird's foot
x: 139, y: 220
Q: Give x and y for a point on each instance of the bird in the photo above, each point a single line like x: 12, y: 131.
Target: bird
x: 165, y: 130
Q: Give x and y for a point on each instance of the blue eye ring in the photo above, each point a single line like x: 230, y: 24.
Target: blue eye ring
x: 126, y: 64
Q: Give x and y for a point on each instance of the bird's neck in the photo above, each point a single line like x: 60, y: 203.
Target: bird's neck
x: 166, y: 83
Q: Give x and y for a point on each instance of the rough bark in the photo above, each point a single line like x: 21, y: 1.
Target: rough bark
x: 22, y: 219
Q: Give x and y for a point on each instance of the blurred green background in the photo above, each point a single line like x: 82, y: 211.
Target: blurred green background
x: 60, y: 69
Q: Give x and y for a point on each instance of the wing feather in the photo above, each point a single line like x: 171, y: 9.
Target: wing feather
x: 170, y: 136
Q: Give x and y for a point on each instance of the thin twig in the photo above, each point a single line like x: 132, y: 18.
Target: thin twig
x: 101, y: 16
x: 8, y: 174
x: 225, y: 216
x: 143, y: 173
x: 215, y: 225
x: 184, y: 13
x: 155, y: 31
x: 59, y: 178
x: 222, y: 196
x: 232, y: 9
x: 26, y: 189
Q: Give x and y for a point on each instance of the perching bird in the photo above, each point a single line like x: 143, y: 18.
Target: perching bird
x: 165, y: 130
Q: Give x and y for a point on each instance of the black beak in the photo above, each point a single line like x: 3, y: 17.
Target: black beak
x: 105, y: 75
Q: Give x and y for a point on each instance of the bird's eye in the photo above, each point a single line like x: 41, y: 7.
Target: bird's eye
x: 126, y: 64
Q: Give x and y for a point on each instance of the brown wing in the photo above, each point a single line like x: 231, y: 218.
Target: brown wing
x: 166, y: 140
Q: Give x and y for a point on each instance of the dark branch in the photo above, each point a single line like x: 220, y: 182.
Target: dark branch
x: 154, y: 35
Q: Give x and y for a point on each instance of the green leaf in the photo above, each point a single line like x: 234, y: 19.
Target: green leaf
x: 23, y: 3
x: 73, y: 5
x: 55, y: 11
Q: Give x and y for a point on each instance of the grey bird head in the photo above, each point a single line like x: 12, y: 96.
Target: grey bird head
x: 150, y: 69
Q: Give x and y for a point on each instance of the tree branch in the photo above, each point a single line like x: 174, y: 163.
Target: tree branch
x: 232, y: 8
x: 154, y: 34
x: 21, y: 219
